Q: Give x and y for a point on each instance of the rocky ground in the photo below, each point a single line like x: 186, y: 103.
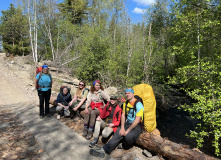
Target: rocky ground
x: 16, y: 141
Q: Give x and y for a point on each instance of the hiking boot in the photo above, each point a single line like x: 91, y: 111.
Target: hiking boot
x: 93, y: 143
x: 89, y: 135
x: 84, y: 132
x: 97, y: 152
x: 58, y: 117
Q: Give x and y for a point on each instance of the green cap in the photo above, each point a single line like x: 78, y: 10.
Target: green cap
x: 114, y: 97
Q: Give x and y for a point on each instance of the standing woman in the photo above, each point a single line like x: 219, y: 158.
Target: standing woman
x: 94, y: 106
x: 78, y: 101
x: 44, y: 80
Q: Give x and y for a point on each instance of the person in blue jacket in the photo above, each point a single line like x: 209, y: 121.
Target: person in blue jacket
x: 63, y: 100
x: 44, y: 81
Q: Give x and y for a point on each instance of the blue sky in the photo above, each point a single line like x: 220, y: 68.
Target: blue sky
x: 134, y: 7
x: 4, y: 4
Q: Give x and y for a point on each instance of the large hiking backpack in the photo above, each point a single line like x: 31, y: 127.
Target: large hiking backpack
x: 145, y: 92
x: 39, y: 69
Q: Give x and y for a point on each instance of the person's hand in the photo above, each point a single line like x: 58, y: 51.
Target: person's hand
x: 86, y: 111
x: 66, y: 107
x: 98, y: 118
x: 75, y: 109
x: 126, y: 132
x: 110, y: 125
x: 122, y: 131
x: 70, y: 104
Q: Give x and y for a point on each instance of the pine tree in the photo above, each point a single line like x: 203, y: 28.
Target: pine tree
x: 14, y: 31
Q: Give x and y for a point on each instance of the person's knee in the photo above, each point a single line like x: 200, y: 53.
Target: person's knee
x: 129, y: 139
x: 58, y: 108
x: 105, y: 134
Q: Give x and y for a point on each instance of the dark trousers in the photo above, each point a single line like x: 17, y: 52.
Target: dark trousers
x: 127, y: 140
x: 44, y: 97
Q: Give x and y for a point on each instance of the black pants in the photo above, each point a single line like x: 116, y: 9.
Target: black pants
x: 127, y: 140
x: 44, y: 97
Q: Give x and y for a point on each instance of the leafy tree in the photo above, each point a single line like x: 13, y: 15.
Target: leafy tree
x: 14, y: 31
x: 74, y: 10
x: 198, y: 65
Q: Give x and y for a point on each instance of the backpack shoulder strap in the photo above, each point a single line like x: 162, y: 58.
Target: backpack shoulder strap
x: 50, y: 76
x: 86, y: 89
x: 126, y: 109
x: 40, y: 74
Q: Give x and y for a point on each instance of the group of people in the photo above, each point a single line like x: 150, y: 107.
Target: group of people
x: 124, y: 122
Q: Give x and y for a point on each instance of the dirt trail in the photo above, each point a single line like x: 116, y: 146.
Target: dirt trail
x: 16, y: 140
x: 12, y: 88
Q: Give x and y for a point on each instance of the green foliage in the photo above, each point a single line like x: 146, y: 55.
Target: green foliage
x: 204, y: 87
x: 198, y: 66
x: 74, y: 10
x: 14, y: 31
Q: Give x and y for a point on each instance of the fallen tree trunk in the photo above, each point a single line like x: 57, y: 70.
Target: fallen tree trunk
x: 171, y: 150
x: 153, y: 142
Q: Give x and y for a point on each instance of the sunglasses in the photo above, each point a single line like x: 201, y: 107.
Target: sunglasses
x: 113, y: 99
x: 81, y: 84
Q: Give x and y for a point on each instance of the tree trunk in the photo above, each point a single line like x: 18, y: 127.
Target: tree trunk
x: 129, y: 48
x: 35, y: 33
x: 198, y: 41
x: 171, y: 150
x: 33, y: 47
x: 146, y: 64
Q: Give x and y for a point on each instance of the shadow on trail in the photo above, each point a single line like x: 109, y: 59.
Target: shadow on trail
x: 52, y: 135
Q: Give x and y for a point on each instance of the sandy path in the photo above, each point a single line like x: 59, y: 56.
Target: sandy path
x: 12, y: 88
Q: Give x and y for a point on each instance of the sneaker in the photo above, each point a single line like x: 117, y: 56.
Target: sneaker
x: 93, y: 143
x: 97, y: 152
x: 85, y: 132
x: 58, y: 117
x: 41, y: 117
x: 48, y: 115
x: 89, y: 135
